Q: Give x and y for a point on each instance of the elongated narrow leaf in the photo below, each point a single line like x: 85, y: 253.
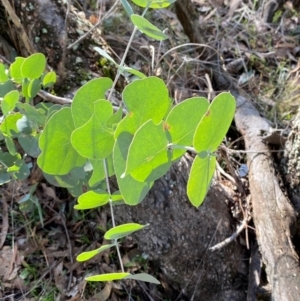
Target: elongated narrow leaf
x: 153, y: 3
x: 200, y: 178
x: 148, y: 155
x: 33, y: 66
x: 84, y: 256
x: 83, y: 102
x: 103, y: 53
x: 94, y: 140
x: 58, y: 156
x: 145, y: 99
x: 143, y: 277
x: 215, y: 123
x: 92, y: 199
x: 147, y: 28
x: 107, y: 277
x: 133, y: 191
x: 123, y: 230
x: 127, y: 7
x: 183, y: 120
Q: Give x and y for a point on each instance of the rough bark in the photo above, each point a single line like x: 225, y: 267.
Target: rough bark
x: 180, y: 235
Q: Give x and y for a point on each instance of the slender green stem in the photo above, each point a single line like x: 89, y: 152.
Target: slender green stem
x: 112, y: 213
x: 123, y: 58
x: 188, y: 148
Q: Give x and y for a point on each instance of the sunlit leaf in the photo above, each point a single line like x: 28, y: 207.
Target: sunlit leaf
x: 215, y: 123
x: 147, y: 28
x: 49, y: 79
x: 200, y: 178
x: 153, y: 3
x: 107, y: 277
x: 58, y: 156
x: 123, y: 230
x: 84, y: 256
x: 92, y: 199
x: 15, y: 70
x: 9, y: 101
x: 33, y: 66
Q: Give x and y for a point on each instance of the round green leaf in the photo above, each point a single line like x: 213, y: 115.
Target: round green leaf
x: 153, y: 3
x: 147, y: 28
x: 94, y: 140
x: 183, y: 120
x: 33, y: 66
x: 148, y: 155
x: 200, y: 178
x: 9, y: 125
x: 107, y: 277
x: 84, y: 256
x: 9, y: 101
x: 92, y: 199
x: 133, y: 191
x: 83, y: 102
x: 215, y: 123
x: 145, y: 99
x: 123, y: 230
x: 58, y: 156
x: 15, y: 70
x: 49, y: 79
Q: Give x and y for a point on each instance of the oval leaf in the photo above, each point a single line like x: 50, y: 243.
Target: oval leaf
x: 215, y: 123
x: 33, y: 66
x: 9, y: 101
x: 84, y: 256
x: 147, y: 28
x: 107, y: 277
x: 143, y: 277
x: 123, y: 230
x: 58, y: 156
x: 92, y: 199
x: 153, y: 3
x: 200, y: 178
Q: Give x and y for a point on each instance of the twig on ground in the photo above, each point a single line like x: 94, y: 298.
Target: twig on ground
x: 231, y: 238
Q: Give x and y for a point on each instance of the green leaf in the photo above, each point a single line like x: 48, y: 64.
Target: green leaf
x: 92, y: 199
x: 58, y: 156
x: 98, y: 170
x: 103, y: 53
x: 127, y: 7
x: 84, y: 256
x: 34, y: 88
x: 107, y: 277
x: 153, y: 3
x: 69, y: 180
x: 33, y: 66
x: 134, y: 72
x: 30, y: 144
x: 215, y: 123
x: 49, y: 79
x: 9, y: 101
x: 183, y: 120
x: 115, y: 118
x: 148, y: 155
x: 83, y: 102
x: 94, y: 140
x: 147, y: 28
x: 143, y: 277
x: 123, y: 230
x: 9, y: 125
x: 3, y: 75
x: 133, y: 191
x: 10, y: 146
x: 200, y: 178
x: 145, y: 99
x: 15, y: 70
x: 20, y: 170
x: 6, y: 88
x: 32, y: 113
